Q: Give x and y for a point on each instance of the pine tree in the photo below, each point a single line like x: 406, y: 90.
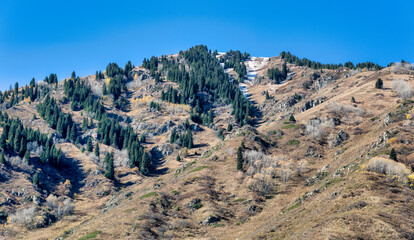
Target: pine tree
x: 109, y: 161
x: 379, y: 84
x: 393, y: 154
x: 229, y: 127
x: 2, y: 158
x: 178, y: 158
x: 97, y: 149
x: 27, y: 157
x: 353, y: 100
x: 89, y: 145
x: 36, y: 180
x: 292, y: 118
x: 144, y: 164
x: 239, y: 158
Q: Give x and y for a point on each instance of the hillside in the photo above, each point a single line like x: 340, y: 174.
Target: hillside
x: 208, y: 145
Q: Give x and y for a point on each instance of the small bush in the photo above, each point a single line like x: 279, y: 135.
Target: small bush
x: 402, y: 88
x: 389, y: 167
x: 91, y: 235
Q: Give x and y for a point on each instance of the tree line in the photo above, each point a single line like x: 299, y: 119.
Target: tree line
x: 15, y: 137
x: 290, y: 58
x: 204, y: 83
x: 278, y: 75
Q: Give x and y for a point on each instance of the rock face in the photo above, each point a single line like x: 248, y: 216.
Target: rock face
x: 312, y: 103
x: 165, y: 127
x: 339, y: 139
x: 387, y: 119
x: 162, y: 150
x: 210, y: 220
x: 312, y: 152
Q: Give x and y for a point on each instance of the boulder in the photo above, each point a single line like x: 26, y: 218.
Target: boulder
x: 339, y: 138
x: 210, y: 220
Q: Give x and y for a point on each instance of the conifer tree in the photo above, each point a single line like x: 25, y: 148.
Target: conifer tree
x: 36, y: 180
x: 89, y: 146
x: 27, y: 158
x: 239, y: 158
x: 393, y: 154
x: 97, y: 149
x: 178, y: 158
x: 2, y: 158
x: 109, y: 161
x: 379, y: 84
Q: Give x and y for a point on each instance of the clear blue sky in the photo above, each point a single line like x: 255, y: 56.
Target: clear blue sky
x: 42, y: 37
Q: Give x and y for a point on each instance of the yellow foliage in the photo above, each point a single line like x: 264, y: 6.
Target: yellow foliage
x: 68, y: 183
x: 392, y: 140
x: 411, y: 178
x: 107, y: 80
x: 135, y: 76
x: 409, y: 116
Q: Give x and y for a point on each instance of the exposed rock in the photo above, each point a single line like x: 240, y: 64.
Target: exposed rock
x: 194, y: 204
x: 388, y: 119
x: 210, y: 220
x: 253, y: 209
x: 312, y: 103
x: 311, y: 152
x: 165, y: 127
x: 163, y: 150
x: 339, y: 139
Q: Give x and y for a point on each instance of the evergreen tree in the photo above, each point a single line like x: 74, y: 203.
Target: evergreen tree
x: 97, y: 149
x: 27, y: 158
x: 393, y: 154
x: 353, y: 100
x: 89, y: 145
x: 2, y: 158
x: 239, y: 158
x: 109, y: 161
x: 292, y: 118
x: 178, y: 158
x: 379, y: 84
x: 229, y: 127
x: 36, y: 180
x: 144, y: 164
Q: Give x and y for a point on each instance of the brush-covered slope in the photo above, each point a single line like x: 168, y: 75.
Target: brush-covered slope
x: 208, y: 145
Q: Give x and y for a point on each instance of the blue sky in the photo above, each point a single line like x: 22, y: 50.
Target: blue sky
x: 42, y: 37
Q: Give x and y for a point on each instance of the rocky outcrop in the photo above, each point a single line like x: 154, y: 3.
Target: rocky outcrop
x: 312, y: 103
x: 210, y: 220
x: 339, y: 139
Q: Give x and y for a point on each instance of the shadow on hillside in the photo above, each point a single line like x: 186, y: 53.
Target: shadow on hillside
x: 257, y: 114
x: 71, y: 170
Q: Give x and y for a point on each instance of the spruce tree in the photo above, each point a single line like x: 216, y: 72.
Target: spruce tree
x: 36, y: 180
x: 89, y: 145
x: 393, y: 154
x: 109, y: 161
x: 178, y: 158
x: 292, y: 118
x: 97, y: 149
x: 239, y: 158
x: 2, y: 158
x: 144, y: 164
x: 27, y: 157
x: 379, y: 84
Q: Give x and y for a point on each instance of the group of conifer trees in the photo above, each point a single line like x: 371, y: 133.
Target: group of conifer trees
x: 15, y: 137
x: 204, y: 83
x: 235, y: 60
x: 278, y: 75
x: 290, y: 58
x: 57, y: 119
x: 81, y: 96
x: 184, y: 140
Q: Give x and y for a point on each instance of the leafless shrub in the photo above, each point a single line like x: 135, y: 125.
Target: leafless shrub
x: 345, y: 110
x: 59, y: 208
x: 402, y: 88
x: 121, y: 158
x: 398, y: 66
x: 230, y: 151
x: 388, y: 167
x: 285, y: 173
x: 300, y: 167
x: 319, y: 128
x: 24, y: 216
x: 95, y: 88
x: 34, y: 148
